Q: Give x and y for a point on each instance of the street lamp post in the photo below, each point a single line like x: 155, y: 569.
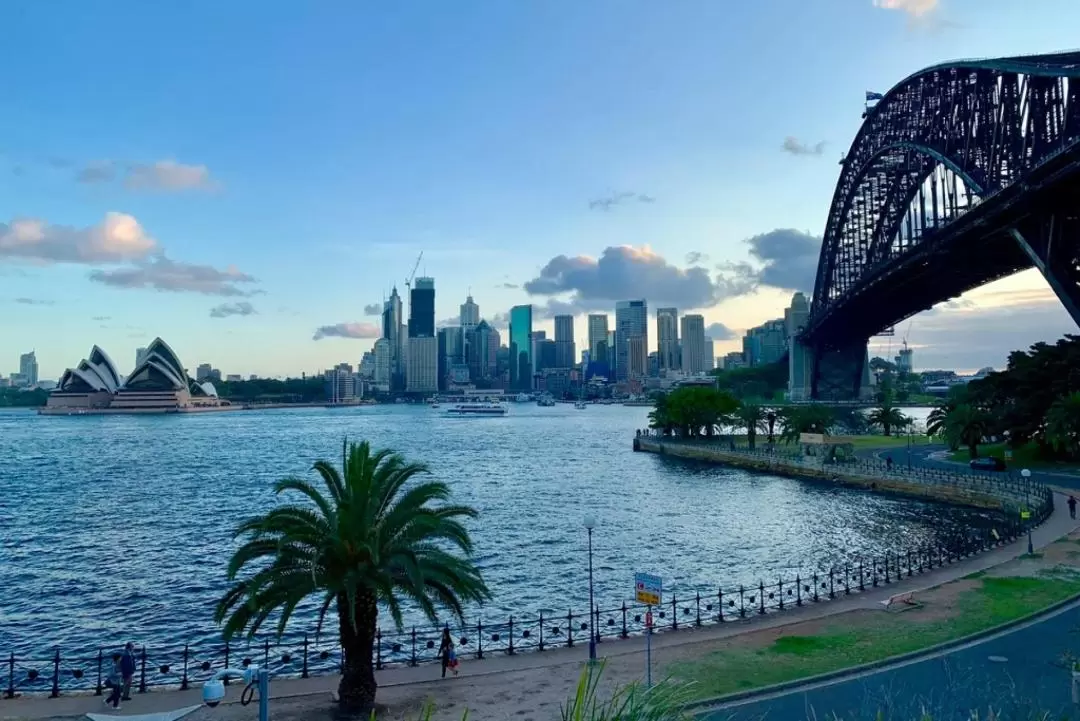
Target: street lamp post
x: 1027, y: 492
x: 255, y: 678
x: 590, y: 524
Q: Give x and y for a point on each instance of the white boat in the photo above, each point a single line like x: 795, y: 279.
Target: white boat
x: 580, y: 405
x: 477, y: 409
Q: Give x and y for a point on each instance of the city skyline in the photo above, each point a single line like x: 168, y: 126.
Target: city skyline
x: 216, y: 209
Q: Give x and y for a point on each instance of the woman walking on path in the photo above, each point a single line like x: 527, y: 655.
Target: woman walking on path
x: 446, y: 653
x: 114, y: 682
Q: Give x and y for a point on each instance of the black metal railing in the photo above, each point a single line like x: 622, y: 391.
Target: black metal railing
x: 303, y: 655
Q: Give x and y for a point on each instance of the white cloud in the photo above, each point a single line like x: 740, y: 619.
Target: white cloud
x: 914, y: 8
x: 347, y: 330
x: 116, y: 239
x: 227, y: 309
x: 796, y: 147
x: 168, y: 175
x: 161, y: 273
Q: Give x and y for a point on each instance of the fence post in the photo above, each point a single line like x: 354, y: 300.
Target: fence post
x: 570, y: 629
x: 541, y: 645
x: 378, y: 650
x: 887, y: 581
x: 266, y: 654
x: 832, y: 589
x: 227, y: 649
x: 862, y: 576
x: 625, y: 633
x: 97, y: 691
x: 510, y: 651
x: 798, y: 590
x: 142, y: 671
x: 56, y: 674
x: 742, y: 602
x: 304, y: 668
x: 479, y: 639
x: 761, y: 598
x: 595, y: 625
x: 780, y: 592
x: 10, y: 693
x: 412, y: 659
x: 720, y: 605
x: 847, y: 579
x: 815, y: 587
x: 698, y: 600
x: 184, y: 680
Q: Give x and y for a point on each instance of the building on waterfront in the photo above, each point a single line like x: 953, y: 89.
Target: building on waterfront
x: 343, y: 385
x: 765, y: 344
x: 693, y: 343
x: 521, y: 361
x: 709, y: 360
x: 393, y: 323
x: 631, y: 321
x: 470, y: 313
x: 28, y: 368
x: 422, y: 308
x: 383, y: 365
x: 159, y: 384
x: 481, y: 347
x: 597, y: 334
x: 800, y: 358
x: 637, y: 359
x: 422, y: 370
x: 667, y: 339
x: 451, y: 353
x: 733, y: 360
x: 564, y: 341
x: 905, y: 360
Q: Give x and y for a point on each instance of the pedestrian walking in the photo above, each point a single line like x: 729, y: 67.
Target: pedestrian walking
x: 447, y: 656
x: 114, y: 682
x: 127, y: 669
x: 1072, y: 506
x: 888, y: 462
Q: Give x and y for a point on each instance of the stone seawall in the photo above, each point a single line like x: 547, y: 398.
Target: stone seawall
x: 957, y: 488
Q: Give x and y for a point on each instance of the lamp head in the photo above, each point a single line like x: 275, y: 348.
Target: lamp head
x: 590, y: 522
x: 213, y: 692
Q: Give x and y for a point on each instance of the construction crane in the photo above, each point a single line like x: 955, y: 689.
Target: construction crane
x: 408, y: 284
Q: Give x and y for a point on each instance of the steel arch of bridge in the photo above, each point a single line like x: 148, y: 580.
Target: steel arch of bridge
x: 996, y: 124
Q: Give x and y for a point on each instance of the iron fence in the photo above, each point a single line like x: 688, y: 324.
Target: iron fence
x: 303, y: 655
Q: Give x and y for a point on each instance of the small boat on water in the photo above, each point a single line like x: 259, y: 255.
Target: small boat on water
x: 545, y: 401
x: 580, y: 405
x: 477, y: 409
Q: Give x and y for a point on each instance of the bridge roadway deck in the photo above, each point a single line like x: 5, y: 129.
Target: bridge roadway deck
x: 494, y: 675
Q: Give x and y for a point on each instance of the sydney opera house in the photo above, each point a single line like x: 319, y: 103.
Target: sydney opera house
x: 159, y: 384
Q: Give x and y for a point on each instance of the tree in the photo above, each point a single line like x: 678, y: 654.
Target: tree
x: 753, y: 417
x: 936, y: 421
x: 375, y: 535
x: 1063, y: 425
x: 761, y: 382
x: 967, y: 425
x: 810, y: 418
x: 694, y: 411
x: 660, y: 416
x: 888, y: 416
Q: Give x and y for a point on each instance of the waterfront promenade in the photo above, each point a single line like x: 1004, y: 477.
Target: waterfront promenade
x: 531, y: 686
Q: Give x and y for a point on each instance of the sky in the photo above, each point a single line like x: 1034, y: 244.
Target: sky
x: 248, y: 180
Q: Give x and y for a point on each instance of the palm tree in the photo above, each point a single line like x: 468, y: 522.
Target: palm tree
x: 935, y: 421
x: 809, y: 418
x: 752, y: 416
x: 1063, y: 424
x: 887, y: 416
x: 375, y: 535
x: 967, y: 425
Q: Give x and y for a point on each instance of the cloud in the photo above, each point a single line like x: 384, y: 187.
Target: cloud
x: 448, y: 322
x: 33, y: 301
x: 719, y: 331
x: 347, y: 330
x: 161, y: 273
x: 499, y: 321
x: 914, y: 8
x: 796, y: 147
x: 116, y: 239
x: 100, y: 318
x: 165, y: 175
x: 227, y: 309
x: 694, y: 257
x: 168, y: 175
x: 624, y: 272
x: 608, y: 202
x: 788, y: 259
x: 373, y: 309
x: 508, y: 286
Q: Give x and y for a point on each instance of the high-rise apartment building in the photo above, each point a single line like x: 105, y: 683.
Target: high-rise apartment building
x: 393, y: 322
x: 383, y: 355
x: 597, y: 333
x: 709, y: 360
x: 767, y: 343
x: 637, y: 358
x: 481, y: 344
x: 450, y: 353
x: 800, y: 358
x: 521, y: 361
x: 470, y: 313
x: 28, y: 368
x: 631, y: 321
x: 565, y: 354
x: 667, y: 339
x: 422, y: 365
x: 693, y: 343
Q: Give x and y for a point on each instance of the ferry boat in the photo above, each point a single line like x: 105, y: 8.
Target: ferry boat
x: 477, y: 409
x: 545, y: 401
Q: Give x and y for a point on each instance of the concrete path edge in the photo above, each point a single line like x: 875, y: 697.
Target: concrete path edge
x: 710, y: 704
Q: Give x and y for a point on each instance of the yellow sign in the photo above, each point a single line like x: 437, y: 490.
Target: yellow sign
x: 648, y: 589
x: 1025, y: 514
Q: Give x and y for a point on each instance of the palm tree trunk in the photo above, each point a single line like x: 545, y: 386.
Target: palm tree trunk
x: 751, y: 436
x: 356, y: 691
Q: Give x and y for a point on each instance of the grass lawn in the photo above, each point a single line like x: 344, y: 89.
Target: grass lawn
x: 1024, y: 457
x: 875, y: 441
x: 985, y: 602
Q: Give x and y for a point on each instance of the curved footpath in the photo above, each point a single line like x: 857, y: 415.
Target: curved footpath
x: 531, y: 686
x: 925, y: 456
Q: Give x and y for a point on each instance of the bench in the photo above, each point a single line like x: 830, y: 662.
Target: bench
x: 907, y: 598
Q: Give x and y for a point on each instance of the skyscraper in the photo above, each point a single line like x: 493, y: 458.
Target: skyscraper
x: 521, y: 364
x: 564, y: 341
x: 631, y: 321
x: 422, y: 309
x: 598, y: 330
x: 667, y: 339
x: 28, y: 368
x: 470, y: 313
x: 799, y: 356
x: 693, y: 343
x: 393, y: 322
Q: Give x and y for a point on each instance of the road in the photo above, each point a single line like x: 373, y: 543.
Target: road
x: 1021, y: 674
x: 921, y: 456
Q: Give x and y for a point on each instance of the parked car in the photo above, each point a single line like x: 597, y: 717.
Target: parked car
x: 987, y: 463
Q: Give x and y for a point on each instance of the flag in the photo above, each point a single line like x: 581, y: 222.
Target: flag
x: 873, y: 96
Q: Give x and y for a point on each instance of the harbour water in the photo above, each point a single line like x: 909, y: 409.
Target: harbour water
x: 117, y: 527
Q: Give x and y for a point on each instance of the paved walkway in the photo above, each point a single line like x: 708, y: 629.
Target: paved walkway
x: 926, y: 456
x: 74, y: 706
x: 1021, y: 674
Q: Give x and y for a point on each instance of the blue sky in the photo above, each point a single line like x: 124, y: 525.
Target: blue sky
x: 291, y: 160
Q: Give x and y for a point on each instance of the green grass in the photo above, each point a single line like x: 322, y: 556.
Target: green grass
x: 876, y: 637
x: 869, y: 442
x: 1023, y: 457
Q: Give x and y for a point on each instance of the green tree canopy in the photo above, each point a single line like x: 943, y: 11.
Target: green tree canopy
x: 693, y: 411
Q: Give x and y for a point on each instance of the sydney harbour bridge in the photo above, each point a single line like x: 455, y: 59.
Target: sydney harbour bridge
x: 962, y: 174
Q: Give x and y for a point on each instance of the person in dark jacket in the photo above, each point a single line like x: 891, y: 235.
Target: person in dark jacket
x: 114, y: 682
x: 127, y: 668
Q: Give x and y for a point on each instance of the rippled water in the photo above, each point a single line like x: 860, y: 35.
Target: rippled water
x: 119, y: 526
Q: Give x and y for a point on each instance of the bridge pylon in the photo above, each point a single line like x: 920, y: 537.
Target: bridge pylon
x: 841, y: 374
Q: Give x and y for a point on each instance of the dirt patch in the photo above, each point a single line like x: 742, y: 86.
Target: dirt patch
x: 941, y: 603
